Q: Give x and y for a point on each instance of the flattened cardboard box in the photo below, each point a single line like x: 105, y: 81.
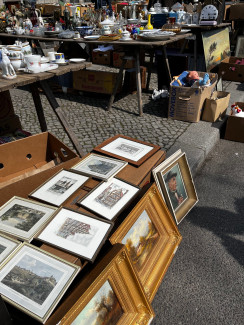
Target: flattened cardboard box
x: 216, y: 106
x: 235, y: 126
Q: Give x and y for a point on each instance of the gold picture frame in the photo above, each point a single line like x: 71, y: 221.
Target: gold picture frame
x: 151, y: 238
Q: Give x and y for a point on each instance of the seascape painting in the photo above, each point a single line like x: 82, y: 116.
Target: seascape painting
x: 111, y: 195
x: 62, y: 185
x: 140, y: 240
x: 103, y: 309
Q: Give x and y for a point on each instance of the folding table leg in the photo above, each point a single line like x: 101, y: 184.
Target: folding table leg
x: 38, y: 106
x: 138, y: 83
x: 149, y: 70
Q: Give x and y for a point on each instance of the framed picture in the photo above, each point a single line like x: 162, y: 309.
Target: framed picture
x: 174, y: 180
x: 34, y: 281
x: 151, y: 238
x: 128, y: 149
x: 239, y: 51
x: 59, y: 188
x: 110, y: 294
x: 23, y: 218
x: 7, y: 246
x: 76, y: 233
x: 99, y: 167
x: 109, y: 198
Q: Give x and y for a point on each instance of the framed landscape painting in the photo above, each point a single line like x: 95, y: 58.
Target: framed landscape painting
x: 76, y: 233
x: 151, y: 238
x: 23, y: 218
x: 34, y: 281
x: 59, y: 188
x: 99, y: 167
x: 7, y: 246
x: 131, y: 150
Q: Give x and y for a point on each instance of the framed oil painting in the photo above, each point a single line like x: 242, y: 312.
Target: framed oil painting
x: 110, y: 294
x: 34, y: 281
x: 59, y: 188
x: 109, y: 198
x: 99, y: 167
x: 151, y: 238
x: 76, y: 233
x: 7, y: 246
x: 128, y: 149
x: 23, y: 218
x: 174, y: 180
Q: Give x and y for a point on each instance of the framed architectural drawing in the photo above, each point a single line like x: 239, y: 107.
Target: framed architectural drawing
x: 151, y: 238
x: 128, y: 149
x: 7, y: 246
x: 23, y: 218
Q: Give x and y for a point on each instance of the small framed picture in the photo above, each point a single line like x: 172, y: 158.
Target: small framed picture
x: 109, y: 198
x: 34, y: 281
x: 76, y: 233
x: 7, y: 246
x: 174, y: 180
x: 131, y: 150
x: 100, y: 167
x: 23, y: 218
x: 59, y: 188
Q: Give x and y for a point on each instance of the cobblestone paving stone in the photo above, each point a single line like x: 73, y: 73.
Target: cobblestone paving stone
x: 92, y: 124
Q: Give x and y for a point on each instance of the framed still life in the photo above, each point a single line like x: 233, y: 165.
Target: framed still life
x: 23, y: 218
x: 76, y: 233
x: 128, y: 149
x: 174, y: 180
x: 151, y: 238
x: 7, y: 246
x: 34, y: 281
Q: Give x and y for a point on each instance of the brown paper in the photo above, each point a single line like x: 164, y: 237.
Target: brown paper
x: 216, y: 106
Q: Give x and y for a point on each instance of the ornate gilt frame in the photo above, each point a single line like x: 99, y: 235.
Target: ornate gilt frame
x: 158, y: 260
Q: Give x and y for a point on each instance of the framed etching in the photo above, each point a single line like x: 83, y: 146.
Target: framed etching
x: 128, y: 149
x: 99, y: 167
x: 109, y: 198
x: 34, y: 281
x: 23, y: 218
x: 59, y: 188
x: 76, y: 233
x: 174, y: 180
x: 151, y: 238
x: 7, y: 246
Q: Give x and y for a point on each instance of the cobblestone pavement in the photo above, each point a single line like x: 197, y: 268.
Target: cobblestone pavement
x: 91, y: 122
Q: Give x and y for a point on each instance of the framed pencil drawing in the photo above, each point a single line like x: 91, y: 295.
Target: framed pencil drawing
x: 34, y: 281
x: 125, y: 148
x: 7, y: 246
x: 59, y: 188
x: 99, y: 167
x: 76, y: 233
x: 23, y: 218
x: 151, y: 238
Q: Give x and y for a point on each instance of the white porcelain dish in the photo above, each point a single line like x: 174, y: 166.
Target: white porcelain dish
x: 183, y: 31
x: 44, y: 67
x: 78, y: 60
x: 92, y: 37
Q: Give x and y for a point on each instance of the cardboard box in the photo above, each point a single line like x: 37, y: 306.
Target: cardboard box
x: 9, y: 125
x: 235, y: 126
x: 118, y: 58
x: 186, y: 103
x: 130, y: 79
x: 103, y: 58
x: 230, y: 70
x: 101, y: 82
x: 216, y: 106
x: 237, y: 11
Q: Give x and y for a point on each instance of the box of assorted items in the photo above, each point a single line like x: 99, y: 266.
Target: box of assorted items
x: 235, y: 123
x: 232, y: 69
x: 188, y: 93
x: 216, y: 106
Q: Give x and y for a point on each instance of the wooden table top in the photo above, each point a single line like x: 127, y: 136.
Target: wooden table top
x: 205, y: 27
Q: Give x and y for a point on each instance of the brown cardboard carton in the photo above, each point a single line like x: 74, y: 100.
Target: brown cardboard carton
x: 230, y: 70
x: 103, y: 58
x: 236, y: 11
x: 235, y: 126
x: 216, y: 106
x: 118, y: 58
x: 10, y: 124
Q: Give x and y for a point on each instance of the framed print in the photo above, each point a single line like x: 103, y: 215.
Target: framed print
x: 76, y: 233
x: 34, y: 281
x: 59, y: 188
x: 239, y: 51
x: 110, y: 294
x: 109, y: 198
x: 23, y: 218
x: 100, y: 167
x: 131, y: 150
x: 151, y: 238
x: 7, y: 246
x: 174, y: 180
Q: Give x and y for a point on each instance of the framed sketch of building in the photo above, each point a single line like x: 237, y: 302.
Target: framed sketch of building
x: 7, y: 246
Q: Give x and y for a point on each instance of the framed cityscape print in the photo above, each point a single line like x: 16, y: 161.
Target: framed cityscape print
x: 98, y: 166
x: 23, y: 218
x: 59, y: 188
x: 174, y: 180
x: 151, y: 237
x: 109, y: 198
x: 110, y: 294
x: 34, y: 281
x: 76, y: 233
x: 7, y: 246
x: 125, y: 148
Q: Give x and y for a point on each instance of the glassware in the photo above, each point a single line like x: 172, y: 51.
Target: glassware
x: 172, y: 26
x: 158, y: 8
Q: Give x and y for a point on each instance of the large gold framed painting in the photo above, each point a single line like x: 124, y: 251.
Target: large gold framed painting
x: 216, y: 45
